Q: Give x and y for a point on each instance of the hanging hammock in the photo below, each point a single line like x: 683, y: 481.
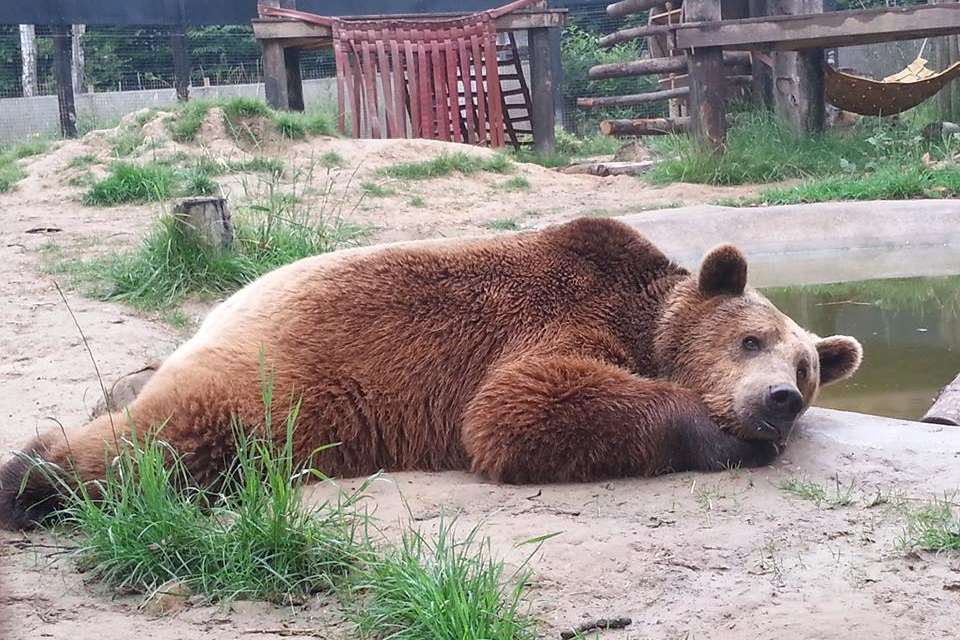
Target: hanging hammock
x: 434, y: 78
x: 894, y: 94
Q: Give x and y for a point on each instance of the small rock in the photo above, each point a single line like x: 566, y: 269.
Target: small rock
x: 169, y: 597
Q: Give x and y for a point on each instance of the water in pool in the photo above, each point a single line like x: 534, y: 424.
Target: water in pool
x: 910, y: 331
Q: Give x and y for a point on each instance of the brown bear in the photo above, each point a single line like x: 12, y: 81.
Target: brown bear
x: 572, y: 353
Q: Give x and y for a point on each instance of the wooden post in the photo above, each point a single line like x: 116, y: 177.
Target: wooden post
x: 181, y: 63
x: 282, y: 78
x: 541, y: 90
x: 208, y: 218
x: 761, y: 71
x: 28, y: 58
x: 62, y: 63
x: 708, y: 92
x: 798, y: 86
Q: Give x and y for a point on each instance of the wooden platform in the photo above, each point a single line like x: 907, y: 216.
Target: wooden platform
x: 823, y: 30
x: 282, y: 39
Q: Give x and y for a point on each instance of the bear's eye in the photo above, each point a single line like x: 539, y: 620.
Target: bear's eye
x: 802, y: 372
x: 751, y: 343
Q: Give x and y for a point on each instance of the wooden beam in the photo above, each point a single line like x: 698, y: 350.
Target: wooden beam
x: 543, y: 115
x: 62, y: 54
x: 274, y: 29
x: 644, y: 126
x: 632, y: 100
x: 708, y: 92
x: 629, y: 7
x: 825, y: 30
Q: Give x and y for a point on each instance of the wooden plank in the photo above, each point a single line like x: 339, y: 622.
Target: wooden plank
x: 644, y: 126
x: 946, y: 407
x: 181, y: 63
x: 826, y: 30
x: 62, y: 55
x: 708, y: 93
x: 761, y: 71
x: 632, y: 100
x: 275, y: 75
x: 541, y: 88
x: 630, y: 7
x: 273, y: 29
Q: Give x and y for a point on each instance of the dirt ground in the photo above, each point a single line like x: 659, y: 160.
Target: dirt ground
x: 725, y: 555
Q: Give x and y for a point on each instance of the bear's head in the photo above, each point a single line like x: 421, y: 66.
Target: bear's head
x: 756, y: 369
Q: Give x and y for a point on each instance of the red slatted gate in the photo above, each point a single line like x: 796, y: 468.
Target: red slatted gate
x: 429, y: 78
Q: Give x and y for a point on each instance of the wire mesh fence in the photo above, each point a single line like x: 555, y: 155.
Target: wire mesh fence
x: 118, y: 70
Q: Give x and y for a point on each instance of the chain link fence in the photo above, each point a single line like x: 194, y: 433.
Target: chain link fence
x: 118, y: 70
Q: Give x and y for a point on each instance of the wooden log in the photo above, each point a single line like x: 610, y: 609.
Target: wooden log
x: 610, y: 168
x: 62, y: 56
x: 629, y: 7
x: 208, y: 218
x: 543, y: 114
x: 708, y: 91
x: 291, y: 62
x: 626, y: 35
x: 656, y: 66
x: 644, y: 126
x: 946, y: 408
x: 631, y: 100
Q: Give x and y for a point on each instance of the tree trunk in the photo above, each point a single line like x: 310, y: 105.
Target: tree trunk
x: 28, y: 56
x: 76, y: 64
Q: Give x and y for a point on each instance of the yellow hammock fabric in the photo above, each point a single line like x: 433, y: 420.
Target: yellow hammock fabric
x: 894, y: 94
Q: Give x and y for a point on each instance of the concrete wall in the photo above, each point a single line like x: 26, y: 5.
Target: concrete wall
x: 23, y: 117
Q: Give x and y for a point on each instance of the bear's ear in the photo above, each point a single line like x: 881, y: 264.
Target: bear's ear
x: 723, y: 271
x: 840, y: 358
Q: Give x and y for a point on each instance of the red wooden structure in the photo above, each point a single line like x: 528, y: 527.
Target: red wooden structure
x: 425, y: 78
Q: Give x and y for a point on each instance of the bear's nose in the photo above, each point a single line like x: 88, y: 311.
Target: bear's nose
x: 784, y: 402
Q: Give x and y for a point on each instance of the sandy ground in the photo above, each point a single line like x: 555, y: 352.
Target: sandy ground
x: 726, y: 555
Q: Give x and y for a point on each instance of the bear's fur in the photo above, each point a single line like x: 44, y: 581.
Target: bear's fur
x: 572, y: 353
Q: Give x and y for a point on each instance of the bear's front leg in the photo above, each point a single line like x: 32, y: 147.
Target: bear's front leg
x: 568, y: 418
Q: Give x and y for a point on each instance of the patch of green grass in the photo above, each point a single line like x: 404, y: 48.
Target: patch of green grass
x: 442, y: 588
x: 332, y: 160
x: 82, y: 161
x: 133, y: 183
x: 244, y: 107
x: 145, y: 116
x: 126, y: 142
x: 549, y: 160
x: 274, y: 228
x: 568, y: 144
x: 761, y: 148
x: 150, y: 182
x: 298, y: 125
x: 33, y: 147
x: 10, y: 172
x: 899, y: 182
x: 446, y: 164
x: 215, y: 167
x: 418, y: 202
x: 375, y: 190
x: 516, y: 183
x: 839, y: 495
x: 934, y: 527
x: 185, y: 125
x: 253, y: 538
x: 502, y: 224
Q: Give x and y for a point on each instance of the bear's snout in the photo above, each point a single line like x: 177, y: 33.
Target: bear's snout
x: 782, y: 404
